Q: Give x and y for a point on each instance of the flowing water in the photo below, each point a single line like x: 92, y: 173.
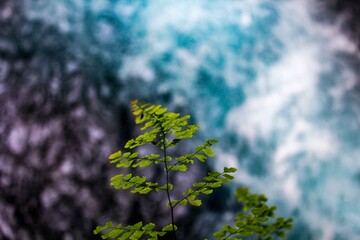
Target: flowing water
x: 278, y: 88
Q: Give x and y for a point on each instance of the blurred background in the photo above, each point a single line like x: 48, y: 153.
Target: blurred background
x: 277, y: 82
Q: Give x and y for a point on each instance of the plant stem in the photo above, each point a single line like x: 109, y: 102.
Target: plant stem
x: 167, y: 184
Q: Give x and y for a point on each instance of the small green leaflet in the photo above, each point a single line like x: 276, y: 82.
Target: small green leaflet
x: 115, y: 155
x: 162, y: 130
x: 209, y: 152
x: 230, y: 170
x: 179, y: 167
x: 169, y: 228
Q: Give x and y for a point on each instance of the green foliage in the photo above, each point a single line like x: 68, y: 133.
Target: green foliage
x: 165, y: 130
x: 212, y: 180
x: 257, y: 219
x: 133, y: 232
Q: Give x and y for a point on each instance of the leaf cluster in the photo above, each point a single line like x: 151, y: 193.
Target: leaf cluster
x: 165, y: 130
x: 133, y: 232
x: 257, y: 218
x: 157, y: 124
x: 213, y: 180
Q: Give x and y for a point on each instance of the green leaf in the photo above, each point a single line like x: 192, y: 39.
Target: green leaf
x: 137, y: 235
x: 182, y: 202
x: 211, y: 142
x: 196, y: 202
x: 259, y: 211
x: 179, y: 167
x: 138, y: 180
x: 145, y: 190
x: 137, y: 112
x: 200, y: 157
x: 227, y: 228
x: 168, y: 228
x: 240, y: 223
x: 214, y: 173
x: 161, y: 111
x: 114, y: 233
x: 209, y: 152
x: 147, y: 125
x: 125, y: 236
x: 124, y: 164
x: 133, y: 155
x: 206, y: 191
x: 215, y: 185
x: 165, y: 187
x: 102, y: 228
x: 198, y: 184
x: 129, y: 143
x: 188, y: 191
x: 143, y: 163
x: 249, y: 218
x: 282, y: 235
x: 136, y: 226
x: 246, y: 233
x: 115, y: 155
x: 148, y: 227
x: 154, y: 156
x: 228, y: 176
x: 174, y: 142
x: 230, y: 170
x: 256, y: 228
x: 199, y: 148
x: 127, y: 177
x: 220, y: 234
x: 171, y: 115
x: 262, y: 219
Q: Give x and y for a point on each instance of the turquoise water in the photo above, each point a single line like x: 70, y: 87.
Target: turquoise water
x: 278, y: 88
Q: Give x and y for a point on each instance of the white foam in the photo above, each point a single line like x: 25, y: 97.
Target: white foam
x: 136, y: 67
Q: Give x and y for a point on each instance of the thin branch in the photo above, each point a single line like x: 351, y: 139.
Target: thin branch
x: 167, y: 184
x: 197, y: 189
x: 192, y: 155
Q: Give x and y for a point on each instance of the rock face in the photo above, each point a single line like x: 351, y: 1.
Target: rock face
x: 55, y: 135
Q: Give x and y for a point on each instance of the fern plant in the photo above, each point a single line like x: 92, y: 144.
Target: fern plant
x: 165, y: 130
